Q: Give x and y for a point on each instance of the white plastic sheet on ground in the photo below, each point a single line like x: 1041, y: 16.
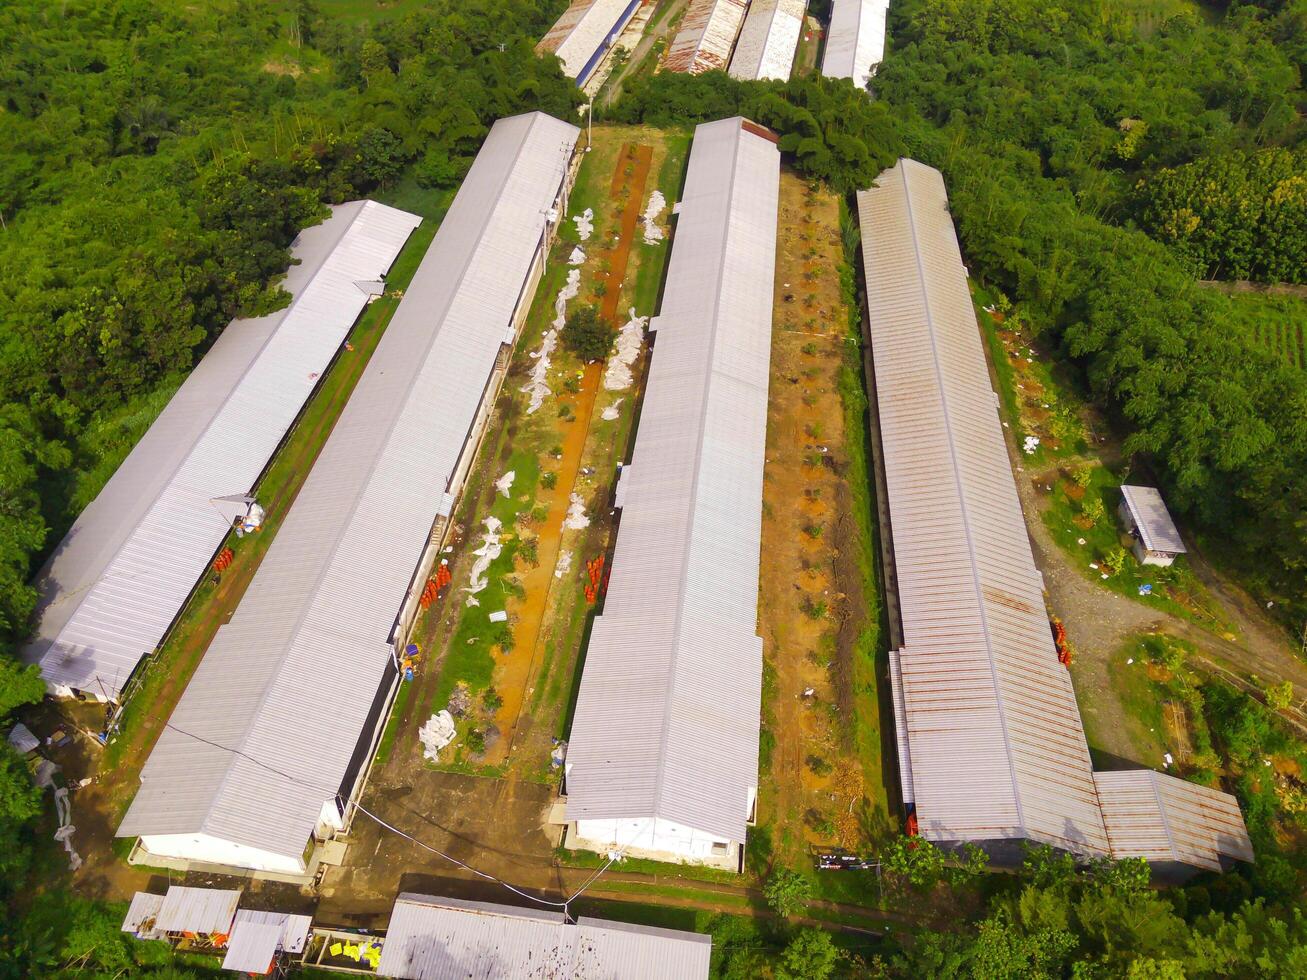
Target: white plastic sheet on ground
x: 577, y: 257
x: 490, y: 548
x: 538, y: 386
x: 617, y: 377
x: 505, y: 483
x: 576, y: 519
x: 612, y: 412
x: 652, y: 233
x: 436, y: 734
x: 66, y: 829
x: 1031, y: 444
x: 585, y: 224
x: 565, y: 296
x: 564, y: 564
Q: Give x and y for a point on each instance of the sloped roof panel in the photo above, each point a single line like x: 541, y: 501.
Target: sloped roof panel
x: 119, y: 578
x: 1156, y: 528
x: 706, y: 36
x: 325, y: 599
x: 855, y: 40
x: 667, y: 720
x: 585, y: 28
x: 996, y: 746
x: 197, y: 910
x: 768, y: 40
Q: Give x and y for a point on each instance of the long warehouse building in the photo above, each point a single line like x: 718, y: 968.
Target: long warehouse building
x: 585, y: 32
x: 991, y: 746
x: 663, y: 755
x: 706, y: 36
x: 272, y: 737
x: 768, y: 40
x: 115, y: 584
x: 855, y: 40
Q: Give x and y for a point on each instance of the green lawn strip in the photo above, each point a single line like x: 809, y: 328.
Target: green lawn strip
x: 653, y: 258
x: 387, y: 743
x: 585, y: 859
x: 280, y: 481
x: 1137, y: 695
x: 1105, y: 538
x: 1278, y: 324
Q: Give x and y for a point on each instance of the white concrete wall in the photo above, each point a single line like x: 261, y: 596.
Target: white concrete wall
x: 653, y: 835
x: 212, y: 850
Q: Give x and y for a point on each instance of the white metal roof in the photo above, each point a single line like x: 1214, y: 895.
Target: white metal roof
x: 1156, y: 528
x: 768, y: 40
x: 1161, y: 818
x: 141, y: 916
x: 585, y: 29
x: 667, y: 719
x: 114, y: 585
x: 855, y: 40
x: 447, y: 939
x: 706, y: 36
x: 256, y: 938
x: 22, y: 740
x: 290, y: 681
x: 197, y: 910
x: 997, y: 750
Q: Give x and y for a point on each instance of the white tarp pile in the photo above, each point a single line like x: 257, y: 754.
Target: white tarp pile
x: 66, y: 829
x: 576, y: 519
x: 436, y: 734
x: 1032, y: 443
x: 652, y: 233
x: 618, y: 375
x: 565, y: 296
x: 612, y: 412
x: 564, y: 564
x: 538, y: 386
x: 488, y: 552
x: 505, y: 483
x: 577, y: 256
x: 585, y: 224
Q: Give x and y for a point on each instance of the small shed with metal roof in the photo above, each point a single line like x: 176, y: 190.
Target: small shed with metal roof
x: 663, y: 755
x: 433, y: 938
x: 706, y: 36
x: 110, y: 591
x: 584, y: 34
x: 260, y: 757
x: 1156, y: 539
x: 258, y: 937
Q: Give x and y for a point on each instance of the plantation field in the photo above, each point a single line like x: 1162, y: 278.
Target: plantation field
x: 1275, y: 323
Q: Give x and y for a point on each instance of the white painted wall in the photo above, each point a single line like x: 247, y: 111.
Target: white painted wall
x: 652, y: 834
x: 213, y: 850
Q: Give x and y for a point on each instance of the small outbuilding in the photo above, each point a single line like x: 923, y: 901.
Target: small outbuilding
x: 1146, y: 518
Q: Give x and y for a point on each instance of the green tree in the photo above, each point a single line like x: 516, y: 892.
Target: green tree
x: 787, y: 892
x: 912, y: 862
x: 1279, y: 696
x: 588, y: 335
x: 810, y: 955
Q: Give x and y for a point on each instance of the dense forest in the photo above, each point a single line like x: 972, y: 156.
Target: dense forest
x: 1101, y: 155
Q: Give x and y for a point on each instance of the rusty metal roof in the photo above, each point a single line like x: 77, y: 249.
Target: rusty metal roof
x: 997, y: 750
x: 1161, y: 818
x: 706, y: 37
x: 584, y: 29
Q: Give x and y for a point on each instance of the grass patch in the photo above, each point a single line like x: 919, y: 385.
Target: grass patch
x: 1277, y: 324
x: 653, y: 258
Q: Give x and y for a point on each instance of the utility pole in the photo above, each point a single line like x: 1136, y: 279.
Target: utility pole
x: 589, y: 122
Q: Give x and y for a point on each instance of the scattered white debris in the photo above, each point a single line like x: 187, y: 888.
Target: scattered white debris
x: 1104, y: 575
x: 1093, y: 565
x: 565, y: 295
x: 1167, y: 757
x: 1031, y: 444
x: 488, y: 552
x: 652, y: 233
x: 558, y: 756
x: 577, y: 257
x: 499, y: 617
x: 1080, y: 541
x: 613, y: 411
x: 576, y: 519
x: 564, y: 564
x: 436, y: 733
x: 538, y: 386
x: 585, y: 224
x: 617, y: 377
x: 1006, y: 426
x: 505, y: 483
x: 1130, y: 661
x: 66, y: 829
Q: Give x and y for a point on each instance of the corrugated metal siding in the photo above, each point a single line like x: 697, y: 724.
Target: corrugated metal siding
x: 706, y: 36
x: 1161, y: 818
x: 289, y: 682
x: 143, y: 910
x: 584, y: 29
x: 768, y: 40
x: 447, y: 939
x: 123, y: 572
x: 198, y: 910
x: 855, y: 40
x: 256, y: 938
x: 667, y: 720
x: 996, y: 743
x: 1156, y: 528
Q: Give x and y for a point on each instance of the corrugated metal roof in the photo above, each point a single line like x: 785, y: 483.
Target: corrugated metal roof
x: 257, y: 936
x: 706, y: 36
x: 1161, y: 818
x: 997, y: 750
x: 114, y: 585
x: 289, y: 683
x: 141, y: 916
x: 447, y: 939
x: 586, y: 28
x: 667, y: 719
x: 22, y: 740
x: 1156, y: 528
x: 197, y: 910
x: 768, y: 40
x: 855, y: 40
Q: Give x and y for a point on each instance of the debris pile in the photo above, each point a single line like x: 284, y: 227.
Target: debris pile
x: 538, y: 385
x: 490, y: 548
x: 436, y: 734
x: 618, y: 376
x: 585, y: 224
x: 611, y: 413
x: 505, y: 483
x: 576, y: 519
x: 652, y: 233
x: 577, y: 257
